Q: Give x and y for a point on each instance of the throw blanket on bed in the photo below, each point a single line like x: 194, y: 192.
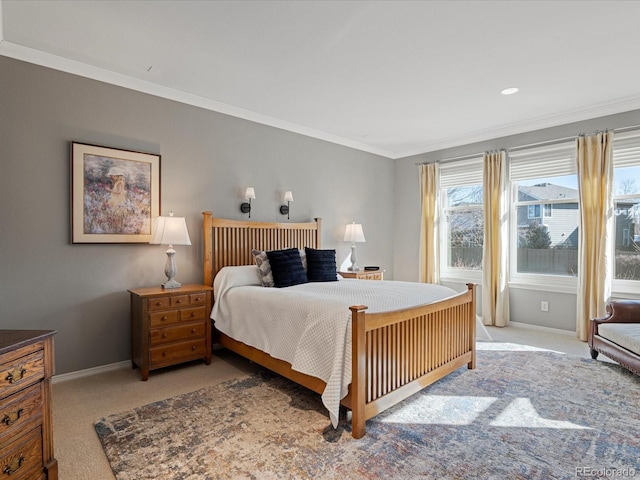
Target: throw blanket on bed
x: 308, y: 325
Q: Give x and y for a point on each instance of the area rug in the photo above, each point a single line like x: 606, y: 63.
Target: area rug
x: 522, y: 414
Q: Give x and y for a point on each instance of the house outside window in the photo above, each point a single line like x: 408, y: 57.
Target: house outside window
x: 462, y: 220
x: 544, y: 217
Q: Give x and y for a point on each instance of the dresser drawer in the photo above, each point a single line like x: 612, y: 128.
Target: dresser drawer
x: 160, y: 319
x: 180, y: 351
x: 21, y: 372
x: 19, y: 409
x: 192, y: 331
x: 192, y: 314
x: 22, y: 458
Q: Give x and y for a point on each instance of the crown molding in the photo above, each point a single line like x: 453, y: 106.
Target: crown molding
x: 616, y: 106
x: 38, y: 57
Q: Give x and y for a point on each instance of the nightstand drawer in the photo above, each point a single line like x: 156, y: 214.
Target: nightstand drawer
x: 198, y: 298
x: 192, y: 314
x: 160, y: 319
x: 19, y: 408
x: 21, y: 372
x: 194, y: 331
x: 22, y: 459
x: 179, y: 301
x: 181, y: 351
x: 161, y: 303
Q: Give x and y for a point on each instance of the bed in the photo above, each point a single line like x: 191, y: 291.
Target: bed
x: 393, y: 354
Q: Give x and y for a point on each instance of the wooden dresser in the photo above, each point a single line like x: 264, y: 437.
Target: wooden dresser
x: 364, y: 274
x: 26, y: 431
x: 170, y: 326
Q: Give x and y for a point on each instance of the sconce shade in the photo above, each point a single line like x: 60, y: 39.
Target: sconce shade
x: 170, y: 231
x: 250, y: 193
x: 288, y: 196
x: 353, y: 233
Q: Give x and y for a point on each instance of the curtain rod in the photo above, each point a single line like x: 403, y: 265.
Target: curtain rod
x: 531, y: 145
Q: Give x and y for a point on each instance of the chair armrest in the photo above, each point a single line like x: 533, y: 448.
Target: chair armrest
x: 621, y: 311
x: 618, y: 311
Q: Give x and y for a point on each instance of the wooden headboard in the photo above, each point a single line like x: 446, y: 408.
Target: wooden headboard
x: 229, y: 242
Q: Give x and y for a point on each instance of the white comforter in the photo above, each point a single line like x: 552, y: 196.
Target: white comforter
x: 309, y: 325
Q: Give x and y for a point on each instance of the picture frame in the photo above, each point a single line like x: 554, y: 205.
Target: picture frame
x: 115, y: 194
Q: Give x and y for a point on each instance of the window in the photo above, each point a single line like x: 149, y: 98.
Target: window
x: 544, y: 215
x: 626, y: 199
x: 462, y: 219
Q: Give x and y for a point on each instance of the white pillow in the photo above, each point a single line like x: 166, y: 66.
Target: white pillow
x: 228, y: 277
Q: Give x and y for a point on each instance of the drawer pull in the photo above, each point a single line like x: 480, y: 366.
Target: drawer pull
x: 164, y: 317
x: 16, y: 375
x: 13, y: 466
x: 178, y: 301
x: 12, y: 417
x: 164, y: 354
x: 158, y: 304
x: 193, y: 330
x: 164, y: 335
x: 193, y: 347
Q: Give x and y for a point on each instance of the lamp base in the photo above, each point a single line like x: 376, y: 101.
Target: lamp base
x: 171, y: 284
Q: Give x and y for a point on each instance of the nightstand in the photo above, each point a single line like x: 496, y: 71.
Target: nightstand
x: 364, y: 274
x: 170, y: 326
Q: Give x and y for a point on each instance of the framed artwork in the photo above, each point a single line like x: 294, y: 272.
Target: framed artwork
x: 115, y: 194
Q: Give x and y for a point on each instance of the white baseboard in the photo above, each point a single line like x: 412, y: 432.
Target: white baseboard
x: 542, y: 329
x: 90, y: 371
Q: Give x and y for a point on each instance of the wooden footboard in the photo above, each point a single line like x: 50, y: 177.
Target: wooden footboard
x: 397, y: 354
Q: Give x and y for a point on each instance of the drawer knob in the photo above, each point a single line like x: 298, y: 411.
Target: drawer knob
x: 193, y: 330
x: 164, y: 335
x: 193, y: 314
x: 13, y: 466
x: 164, y: 317
x: 193, y: 347
x: 12, y: 417
x: 178, y: 301
x: 158, y: 304
x: 164, y: 354
x: 16, y: 375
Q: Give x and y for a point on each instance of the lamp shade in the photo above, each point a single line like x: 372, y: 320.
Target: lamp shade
x: 170, y: 231
x: 354, y: 233
x: 250, y: 193
x: 288, y: 196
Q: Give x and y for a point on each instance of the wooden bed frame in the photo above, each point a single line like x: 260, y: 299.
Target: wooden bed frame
x: 394, y: 354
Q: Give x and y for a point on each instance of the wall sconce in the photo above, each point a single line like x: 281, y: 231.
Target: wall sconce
x: 170, y: 231
x: 249, y: 195
x: 288, y: 197
x: 353, y: 233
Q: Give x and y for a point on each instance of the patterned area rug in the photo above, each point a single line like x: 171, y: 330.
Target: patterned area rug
x: 522, y: 414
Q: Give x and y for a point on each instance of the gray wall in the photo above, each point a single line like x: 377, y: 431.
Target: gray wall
x: 208, y: 159
x: 524, y: 304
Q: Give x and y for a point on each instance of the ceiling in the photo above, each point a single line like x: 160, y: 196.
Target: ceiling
x: 392, y: 78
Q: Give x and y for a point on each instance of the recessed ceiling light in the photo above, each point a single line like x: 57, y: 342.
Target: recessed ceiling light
x: 509, y: 91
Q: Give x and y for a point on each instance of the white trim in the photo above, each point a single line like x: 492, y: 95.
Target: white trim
x: 56, y: 62
x: 549, y: 286
x: 619, y: 105
x: 542, y: 329
x: 90, y: 371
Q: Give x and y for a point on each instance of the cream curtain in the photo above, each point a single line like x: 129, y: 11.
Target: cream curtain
x: 595, y: 184
x: 429, y: 269
x: 495, y: 253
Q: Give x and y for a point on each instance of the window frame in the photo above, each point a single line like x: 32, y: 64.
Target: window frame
x: 531, y: 163
x: 454, y: 177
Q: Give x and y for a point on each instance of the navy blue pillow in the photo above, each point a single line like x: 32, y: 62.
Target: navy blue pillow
x: 321, y: 265
x: 286, y: 266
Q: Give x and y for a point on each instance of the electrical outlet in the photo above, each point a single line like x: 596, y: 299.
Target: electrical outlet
x: 544, y: 306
